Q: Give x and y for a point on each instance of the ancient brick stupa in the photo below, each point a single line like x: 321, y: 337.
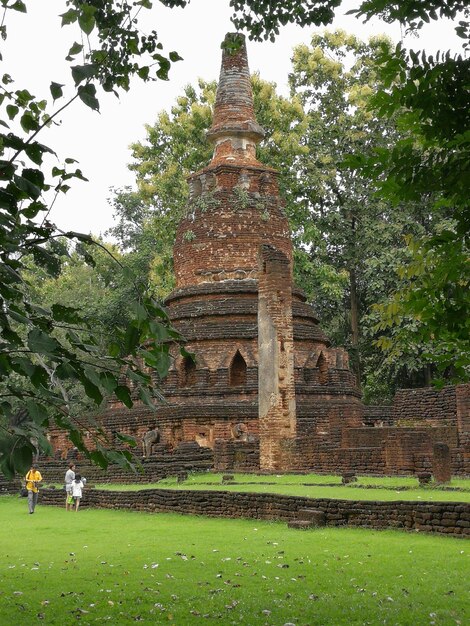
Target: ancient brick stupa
x: 263, y: 366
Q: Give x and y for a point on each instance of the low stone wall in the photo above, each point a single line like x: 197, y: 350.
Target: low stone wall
x: 9, y: 486
x: 450, y: 518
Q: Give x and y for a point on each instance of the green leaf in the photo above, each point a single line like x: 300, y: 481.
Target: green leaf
x: 67, y: 314
x: 139, y: 311
x: 143, y: 72
x: 56, y: 90
x: 99, y: 458
x: 18, y: 5
x: 126, y: 438
x: 86, y: 18
x: 75, y: 49
x: 35, y: 152
x: 108, y: 381
x: 36, y: 411
x: 146, y: 398
x: 40, y: 342
x: 93, y: 376
x: 7, y: 201
x: 65, y: 371
x: 29, y: 188
x: 18, y: 317
x: 91, y: 390
x: 87, y: 94
x: 12, y: 111
x: 122, y: 393
x: 69, y: 17
x: 29, y: 122
x: 76, y: 438
x: 131, y: 340
x: 23, y: 366
x: 39, y: 378
x: 159, y: 331
x: 83, y: 72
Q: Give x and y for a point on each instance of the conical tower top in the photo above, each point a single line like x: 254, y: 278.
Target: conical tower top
x: 235, y: 131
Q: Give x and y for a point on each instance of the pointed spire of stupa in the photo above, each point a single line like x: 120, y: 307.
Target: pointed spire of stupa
x: 235, y: 131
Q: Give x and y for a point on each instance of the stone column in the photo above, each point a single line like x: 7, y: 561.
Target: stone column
x: 441, y: 463
x: 276, y: 390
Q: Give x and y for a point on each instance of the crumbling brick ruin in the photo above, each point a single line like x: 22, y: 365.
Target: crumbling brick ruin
x: 267, y: 390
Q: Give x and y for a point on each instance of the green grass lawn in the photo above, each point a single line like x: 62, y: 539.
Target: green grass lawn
x: 116, y: 567
x: 314, y: 486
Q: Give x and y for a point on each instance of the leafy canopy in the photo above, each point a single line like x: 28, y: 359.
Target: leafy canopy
x: 45, y: 350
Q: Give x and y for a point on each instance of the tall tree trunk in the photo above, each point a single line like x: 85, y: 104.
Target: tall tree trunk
x: 354, y: 301
x: 355, y: 325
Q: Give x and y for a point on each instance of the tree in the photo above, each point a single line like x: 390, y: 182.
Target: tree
x: 263, y: 18
x: 433, y: 106
x: 362, y: 234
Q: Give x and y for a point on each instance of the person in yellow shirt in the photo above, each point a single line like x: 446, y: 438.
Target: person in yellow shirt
x: 33, y: 478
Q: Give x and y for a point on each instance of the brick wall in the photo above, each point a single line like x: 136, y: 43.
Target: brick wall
x: 378, y: 416
x: 188, y: 457
x: 435, y: 407
x: 236, y: 456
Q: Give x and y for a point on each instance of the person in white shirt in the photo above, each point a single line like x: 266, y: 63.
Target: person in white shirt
x: 69, y: 476
x: 77, y: 488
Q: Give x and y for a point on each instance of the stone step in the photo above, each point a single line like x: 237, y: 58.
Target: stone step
x: 300, y: 524
x: 315, y: 516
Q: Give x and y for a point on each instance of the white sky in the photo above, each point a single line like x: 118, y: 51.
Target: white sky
x: 36, y: 46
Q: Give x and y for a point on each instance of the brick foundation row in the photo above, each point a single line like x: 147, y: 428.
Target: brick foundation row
x: 449, y: 518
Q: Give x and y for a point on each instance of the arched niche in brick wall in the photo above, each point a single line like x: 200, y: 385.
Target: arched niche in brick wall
x: 237, y: 371
x: 188, y: 372
x: 316, y: 368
